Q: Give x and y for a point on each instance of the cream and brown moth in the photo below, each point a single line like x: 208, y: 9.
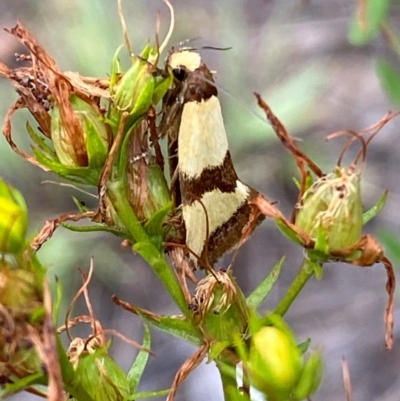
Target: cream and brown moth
x: 207, y: 178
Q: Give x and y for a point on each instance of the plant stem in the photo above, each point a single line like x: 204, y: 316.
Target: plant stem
x: 228, y: 382
x: 306, y: 271
x: 116, y: 193
x: 143, y: 245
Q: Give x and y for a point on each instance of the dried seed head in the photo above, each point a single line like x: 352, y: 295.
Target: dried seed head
x: 13, y: 219
x: 332, y: 207
x: 85, y: 146
x: 20, y: 291
x: 219, y: 307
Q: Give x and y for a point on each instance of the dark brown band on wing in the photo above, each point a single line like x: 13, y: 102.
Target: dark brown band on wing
x: 228, y: 235
x: 222, y: 177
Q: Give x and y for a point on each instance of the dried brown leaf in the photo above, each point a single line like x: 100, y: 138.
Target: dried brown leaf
x: 7, y: 131
x: 389, y: 312
x: 51, y: 225
x: 184, y: 371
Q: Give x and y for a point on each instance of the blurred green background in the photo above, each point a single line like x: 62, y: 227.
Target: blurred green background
x: 298, y: 56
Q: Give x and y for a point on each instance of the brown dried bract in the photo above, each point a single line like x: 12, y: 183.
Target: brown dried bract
x: 41, y: 86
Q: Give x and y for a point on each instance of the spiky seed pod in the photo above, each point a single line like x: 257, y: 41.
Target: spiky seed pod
x: 219, y: 307
x: 88, y: 144
x: 13, y: 219
x: 274, y: 362
x: 332, y: 207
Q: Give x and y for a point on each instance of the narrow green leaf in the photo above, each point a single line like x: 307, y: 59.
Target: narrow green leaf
x: 58, y: 301
x: 264, y: 288
x: 21, y: 384
x: 78, y: 175
x: 160, y: 266
x: 149, y: 394
x: 175, y: 326
x: 371, y: 213
x: 303, y: 347
x: 67, y: 369
x: 136, y: 371
x: 98, y: 227
x: 362, y: 32
x: 39, y: 140
x: 216, y: 348
x: 288, y: 232
x: 390, y: 80
x: 81, y: 207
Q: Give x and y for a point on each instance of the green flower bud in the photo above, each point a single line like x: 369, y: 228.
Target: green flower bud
x: 13, y: 219
x: 311, y: 376
x: 149, y: 189
x: 219, y: 307
x: 135, y: 89
x: 85, y: 144
x: 274, y: 362
x: 332, y: 207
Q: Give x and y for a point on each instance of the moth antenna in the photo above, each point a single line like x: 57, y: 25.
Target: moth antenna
x: 237, y: 100
x: 216, y: 48
x: 171, y: 27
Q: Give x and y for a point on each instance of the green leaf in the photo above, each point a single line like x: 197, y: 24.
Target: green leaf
x: 78, y: 175
x: 154, y: 226
x: 149, y: 394
x: 162, y: 85
x: 21, y: 384
x: 175, y: 326
x: 303, y: 347
x: 81, y: 207
x: 288, y: 232
x: 58, y: 301
x: 375, y: 15
x: 160, y: 266
x: 216, y: 348
x: 98, y: 227
x: 390, y: 80
x: 264, y: 288
x: 41, y: 144
x: 67, y: 370
x: 136, y: 371
x: 371, y: 213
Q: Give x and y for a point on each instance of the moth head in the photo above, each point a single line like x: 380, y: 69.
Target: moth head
x: 183, y: 62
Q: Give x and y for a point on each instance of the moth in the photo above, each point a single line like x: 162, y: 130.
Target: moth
x: 214, y: 201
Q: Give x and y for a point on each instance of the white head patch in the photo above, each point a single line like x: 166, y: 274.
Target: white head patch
x: 185, y: 58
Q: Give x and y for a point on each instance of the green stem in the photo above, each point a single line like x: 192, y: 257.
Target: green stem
x: 306, y: 271
x: 228, y: 382
x: 117, y: 195
x: 143, y: 245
